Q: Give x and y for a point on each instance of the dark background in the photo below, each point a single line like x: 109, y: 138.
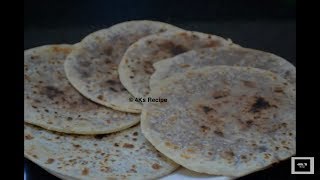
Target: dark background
x: 264, y: 24
x: 260, y: 24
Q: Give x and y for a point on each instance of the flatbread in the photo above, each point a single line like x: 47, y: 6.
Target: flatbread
x: 136, y: 68
x: 52, y: 103
x: 231, y: 56
x: 93, y: 67
x: 223, y: 120
x: 123, y: 155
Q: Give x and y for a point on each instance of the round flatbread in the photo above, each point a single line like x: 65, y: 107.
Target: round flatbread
x: 123, y: 155
x: 223, y: 120
x: 52, y: 103
x: 231, y: 56
x: 136, y: 67
x: 93, y: 67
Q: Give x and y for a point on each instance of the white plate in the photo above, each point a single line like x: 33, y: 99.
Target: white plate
x: 185, y: 174
x: 180, y: 174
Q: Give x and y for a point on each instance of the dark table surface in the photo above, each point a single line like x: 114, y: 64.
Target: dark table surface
x: 276, y: 36
x: 265, y: 26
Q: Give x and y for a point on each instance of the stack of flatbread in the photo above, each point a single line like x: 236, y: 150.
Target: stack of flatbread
x: 92, y: 109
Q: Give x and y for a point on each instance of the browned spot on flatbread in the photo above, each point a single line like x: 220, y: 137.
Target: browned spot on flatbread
x: 184, y: 34
x: 113, y: 89
x: 221, y: 94
x: 195, y: 36
x: 112, y: 82
x: 49, y: 161
x: 206, y: 109
x: 26, y: 77
x: 190, y: 150
x: 284, y: 124
x: 243, y: 157
x: 76, y: 145
x: 219, y: 133
x: 148, y: 67
x: 286, y: 147
x: 135, y: 133
x: 126, y: 145
x: 84, y: 63
x: 156, y: 166
x: 28, y: 137
x: 212, y: 44
x: 170, y: 145
x: 108, y: 50
x: 228, y: 155
x: 178, y: 49
x: 100, y: 97
x: 249, y: 84
x: 107, y: 61
x: 174, y: 49
x: 266, y: 156
x: 185, y: 156
x: 51, y: 92
x: 245, y: 124
x: 278, y: 90
x: 184, y: 65
x: 204, y: 128
x: 37, y: 101
x: 133, y: 170
x: 211, y: 119
x: 287, y: 74
x: 59, y: 49
x: 84, y: 73
x: 260, y: 104
x: 34, y: 57
x: 161, y: 30
x: 249, y: 123
x: 262, y: 149
x: 85, y: 171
